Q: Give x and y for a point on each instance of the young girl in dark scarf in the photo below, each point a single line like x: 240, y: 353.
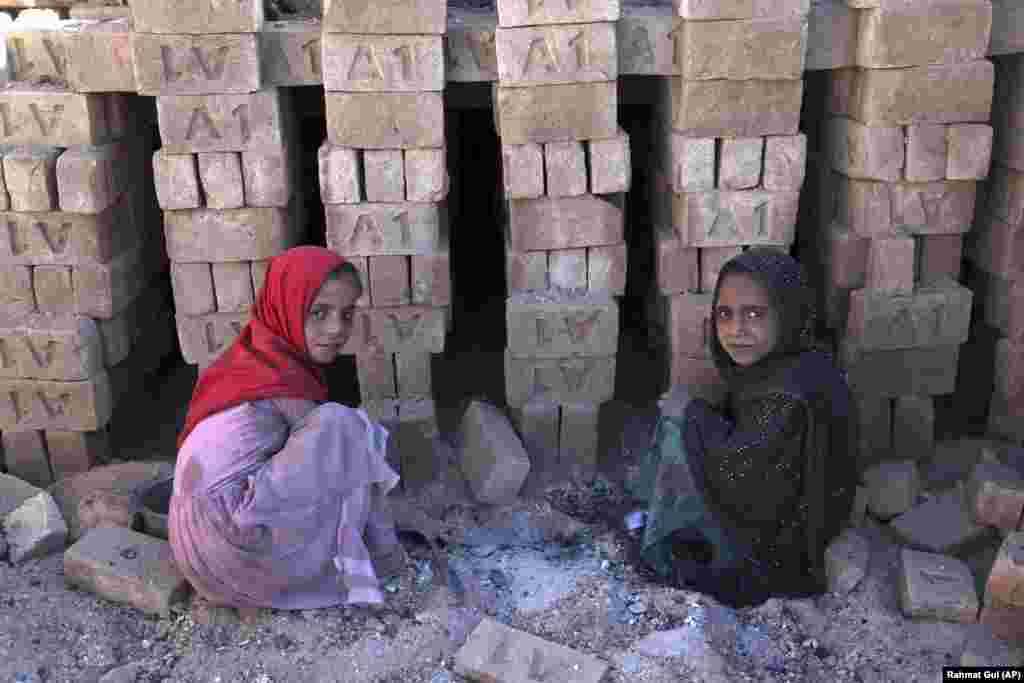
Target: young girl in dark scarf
x: 744, y: 499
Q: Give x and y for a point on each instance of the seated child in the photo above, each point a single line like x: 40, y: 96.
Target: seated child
x: 744, y: 499
x: 279, y: 497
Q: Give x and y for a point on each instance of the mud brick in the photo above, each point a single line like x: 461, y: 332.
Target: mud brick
x: 72, y: 453
x: 387, y: 17
x: 362, y: 266
x: 567, y: 269
x: 523, y: 170
x: 970, y: 151
x: 711, y: 261
x: 565, y: 167
x: 49, y: 347
x: 645, y: 40
x: 526, y: 270
x: 736, y: 109
x: 929, y: 371
x: 579, y: 379
x: 340, y: 170
x: 375, y: 63
x: 413, y: 438
x: 937, y: 587
x: 740, y: 163
x: 471, y: 54
x: 939, y: 208
x: 493, y: 460
x: 578, y: 437
x: 68, y: 406
x: 995, y: 495
x: 384, y: 229
x: 220, y: 123
x: 1005, y: 585
x: 500, y: 653
x: 693, y: 163
x: 384, y: 175
x: 557, y: 113
x: 105, y: 42
x: 723, y: 219
x: 941, y: 525
x: 176, y: 177
x: 832, y: 36
x: 377, y: 378
x: 565, y: 222
x: 232, y: 283
x: 929, y: 33
x: 998, y: 247
x: 890, y: 263
x: 537, y: 422
x: 933, y: 315
x: 36, y: 51
x: 206, y: 235
x: 426, y: 175
x: 267, y: 177
x: 913, y: 427
x: 938, y: 257
x: 389, y: 280
x: 203, y: 337
x: 606, y: 269
x: 557, y: 54
x: 102, y: 290
x: 221, y: 176
x: 513, y: 13
x: 394, y: 120
x: 926, y: 152
x: 846, y: 256
x: 30, y: 173
x: 953, y: 93
x: 197, y: 16
x: 398, y: 329
x: 610, y: 164
x: 26, y: 458
x: 54, y: 289
x: 893, y: 487
x: 703, y: 10
x: 91, y: 179
x: 290, y: 53
x: 196, y: 64
x: 412, y: 372
x: 192, y: 284
x: 868, y: 152
x: 587, y: 326
x: 431, y: 277
x: 126, y: 566
x: 675, y: 266
x: 16, y: 292
x: 874, y: 419
x: 785, y: 160
x: 723, y: 49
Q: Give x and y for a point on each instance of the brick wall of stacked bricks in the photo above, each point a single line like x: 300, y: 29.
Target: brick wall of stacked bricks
x: 918, y: 168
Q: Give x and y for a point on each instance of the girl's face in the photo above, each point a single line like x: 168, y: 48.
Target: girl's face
x: 746, y: 322
x: 329, y: 319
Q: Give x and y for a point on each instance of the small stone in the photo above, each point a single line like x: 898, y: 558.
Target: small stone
x: 13, y: 492
x: 35, y: 529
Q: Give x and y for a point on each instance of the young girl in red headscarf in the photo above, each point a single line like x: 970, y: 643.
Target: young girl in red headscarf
x: 279, y: 497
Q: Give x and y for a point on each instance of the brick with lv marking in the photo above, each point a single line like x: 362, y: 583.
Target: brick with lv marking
x: 391, y: 120
x: 564, y: 222
x: 398, y: 329
x: 873, y: 208
x: 59, y: 238
x: 90, y: 179
x: 645, y: 39
x: 723, y: 49
x: 198, y: 16
x: 105, y: 42
x: 43, y: 404
x: 30, y: 173
x: 727, y: 109
x: 39, y: 346
x: 45, y: 115
x: 384, y: 229
x: 220, y: 123
x: 583, y: 326
x: 722, y: 219
x: 196, y: 64
x: 557, y: 113
x: 552, y: 54
x: 563, y: 380
x: 374, y: 63
x: 36, y: 52
x: 204, y: 337
x: 248, y: 234
x: 543, y: 12
x: 385, y: 16
x: 290, y: 54
x: 933, y: 315
x: 924, y: 33
x: 937, y: 587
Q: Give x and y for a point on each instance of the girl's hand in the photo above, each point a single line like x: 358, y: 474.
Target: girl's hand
x: 674, y: 402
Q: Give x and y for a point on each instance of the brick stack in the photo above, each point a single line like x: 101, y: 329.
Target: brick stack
x: 998, y: 264
x: 383, y: 180
x: 905, y: 143
x: 224, y: 175
x: 729, y: 158
x: 566, y: 167
x: 82, y: 313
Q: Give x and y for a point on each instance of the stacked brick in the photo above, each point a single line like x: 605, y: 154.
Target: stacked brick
x: 225, y: 173
x: 566, y: 168
x: 997, y: 276
x: 82, y: 314
x: 729, y: 162
x: 383, y: 180
x: 905, y: 143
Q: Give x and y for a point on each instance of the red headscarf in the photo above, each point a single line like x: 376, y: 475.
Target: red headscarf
x: 269, y: 359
